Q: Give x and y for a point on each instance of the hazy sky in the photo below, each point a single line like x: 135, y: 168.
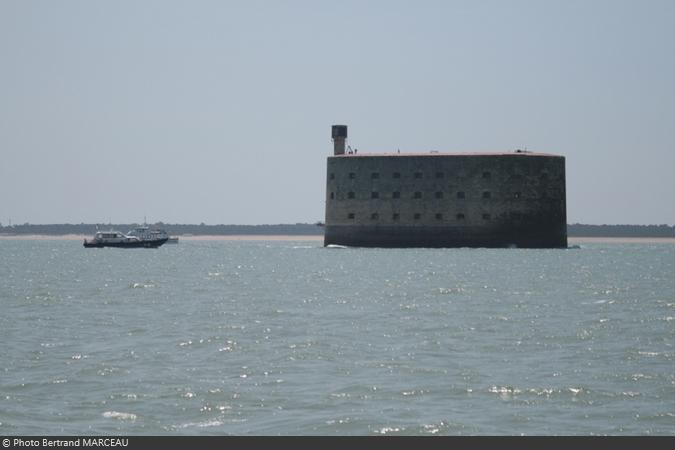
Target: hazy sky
x: 220, y: 112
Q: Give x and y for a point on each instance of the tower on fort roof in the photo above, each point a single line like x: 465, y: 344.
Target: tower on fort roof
x: 339, y: 133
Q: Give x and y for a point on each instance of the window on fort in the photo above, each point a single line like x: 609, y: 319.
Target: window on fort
x: 395, y: 216
x: 461, y: 194
x: 438, y: 195
x: 397, y: 175
x: 487, y: 175
x: 352, y: 175
x: 418, y: 174
x: 440, y: 174
x: 332, y: 195
x: 374, y: 175
x: 460, y: 216
x: 350, y: 195
x: 374, y: 195
x: 417, y: 216
x: 374, y: 216
x: 396, y: 195
x: 439, y: 216
x: 332, y: 176
x: 486, y: 194
x: 486, y: 216
x: 417, y: 195
x: 350, y: 215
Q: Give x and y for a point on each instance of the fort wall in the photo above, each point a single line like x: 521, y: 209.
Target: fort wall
x: 446, y: 200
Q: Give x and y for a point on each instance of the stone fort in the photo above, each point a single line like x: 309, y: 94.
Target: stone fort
x: 514, y: 199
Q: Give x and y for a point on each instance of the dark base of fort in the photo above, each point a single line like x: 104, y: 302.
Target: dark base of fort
x: 443, y: 237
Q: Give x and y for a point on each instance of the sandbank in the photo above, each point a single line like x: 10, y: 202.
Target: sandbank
x: 232, y: 237
x: 619, y: 240
x: 572, y: 240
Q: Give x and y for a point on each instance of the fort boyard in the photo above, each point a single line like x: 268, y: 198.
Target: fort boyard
x: 509, y: 199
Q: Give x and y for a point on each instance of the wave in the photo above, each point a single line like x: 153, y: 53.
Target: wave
x: 119, y: 415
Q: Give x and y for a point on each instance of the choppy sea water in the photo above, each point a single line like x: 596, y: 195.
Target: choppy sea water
x: 290, y: 338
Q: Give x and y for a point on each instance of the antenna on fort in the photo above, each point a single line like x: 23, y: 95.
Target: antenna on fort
x: 339, y: 134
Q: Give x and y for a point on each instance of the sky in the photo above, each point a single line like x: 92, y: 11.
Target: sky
x: 220, y: 112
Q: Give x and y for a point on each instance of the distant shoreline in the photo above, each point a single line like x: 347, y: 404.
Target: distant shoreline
x: 575, y: 240
x: 572, y: 240
x: 229, y: 237
x: 580, y: 231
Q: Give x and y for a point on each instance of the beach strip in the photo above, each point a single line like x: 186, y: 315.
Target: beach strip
x: 573, y: 240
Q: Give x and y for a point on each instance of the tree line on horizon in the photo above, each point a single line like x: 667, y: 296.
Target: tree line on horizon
x: 172, y: 229
x: 298, y: 229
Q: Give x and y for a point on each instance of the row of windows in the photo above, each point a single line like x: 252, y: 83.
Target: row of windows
x: 418, y: 195
x: 438, y: 175
x: 416, y: 216
x: 418, y: 175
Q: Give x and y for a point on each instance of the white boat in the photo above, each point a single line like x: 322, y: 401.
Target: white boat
x: 114, y: 238
x: 146, y: 233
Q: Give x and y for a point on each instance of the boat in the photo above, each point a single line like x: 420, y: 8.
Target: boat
x: 145, y: 232
x: 114, y: 238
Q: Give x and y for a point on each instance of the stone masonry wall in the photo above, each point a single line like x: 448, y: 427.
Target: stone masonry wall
x: 443, y: 200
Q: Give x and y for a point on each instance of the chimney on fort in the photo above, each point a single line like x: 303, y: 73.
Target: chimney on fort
x: 339, y: 134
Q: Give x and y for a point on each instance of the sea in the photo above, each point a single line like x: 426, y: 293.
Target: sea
x: 290, y: 338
